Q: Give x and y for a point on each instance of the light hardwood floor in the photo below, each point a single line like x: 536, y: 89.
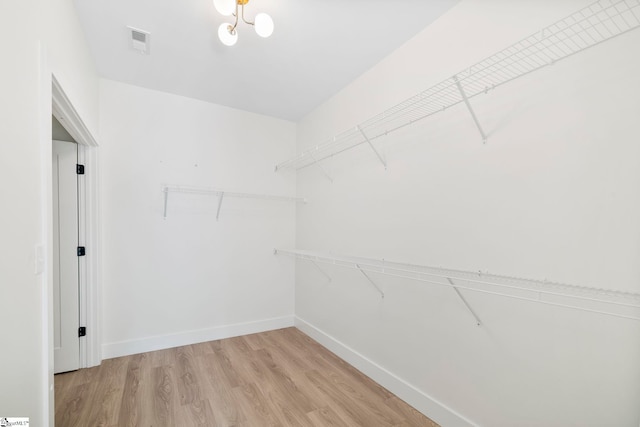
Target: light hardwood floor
x: 276, y: 378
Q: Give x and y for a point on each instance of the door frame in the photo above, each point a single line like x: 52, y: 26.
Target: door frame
x: 88, y: 224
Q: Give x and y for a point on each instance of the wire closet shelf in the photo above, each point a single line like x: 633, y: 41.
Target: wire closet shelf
x: 221, y: 194
x: 588, y: 27
x: 615, y: 303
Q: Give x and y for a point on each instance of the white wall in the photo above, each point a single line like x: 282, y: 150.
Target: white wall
x: 188, y: 278
x: 553, y: 194
x: 36, y: 39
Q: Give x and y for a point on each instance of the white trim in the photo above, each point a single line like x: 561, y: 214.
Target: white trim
x: 82, y: 261
x: 89, y: 219
x: 431, y: 407
x: 161, y: 342
x: 92, y: 241
x: 46, y: 277
x: 63, y: 110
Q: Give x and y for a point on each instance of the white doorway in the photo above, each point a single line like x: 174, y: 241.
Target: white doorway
x: 66, y: 311
x: 71, y: 126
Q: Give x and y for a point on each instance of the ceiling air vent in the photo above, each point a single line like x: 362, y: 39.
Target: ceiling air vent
x: 139, y: 40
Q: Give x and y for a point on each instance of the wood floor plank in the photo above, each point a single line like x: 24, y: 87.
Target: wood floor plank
x: 280, y: 347
x: 165, y: 397
x: 62, y: 384
x: 255, y: 407
x: 187, y: 376
x: 413, y: 416
x: 290, y: 416
x: 162, y: 357
x: 131, y: 403
x: 341, y: 373
x: 72, y: 407
x: 87, y: 392
x: 352, y: 411
x: 197, y: 413
x: 281, y: 382
x: 105, y: 407
x: 277, y: 378
x: 201, y: 349
x: 368, y: 398
x: 256, y: 341
x: 234, y: 379
x: 245, y: 362
x: 326, y: 417
x: 220, y: 393
x: 297, y: 372
x: 284, y: 394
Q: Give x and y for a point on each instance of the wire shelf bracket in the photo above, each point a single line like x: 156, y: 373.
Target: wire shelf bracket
x: 221, y: 195
x: 466, y: 304
x: 370, y: 281
x: 620, y: 304
x: 590, y: 26
x: 470, y: 108
x: 219, y: 204
x: 323, y: 170
x: 321, y: 271
x: 372, y: 147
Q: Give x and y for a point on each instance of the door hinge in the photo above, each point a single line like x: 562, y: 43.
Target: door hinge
x: 82, y: 331
x: 80, y: 169
x: 81, y: 251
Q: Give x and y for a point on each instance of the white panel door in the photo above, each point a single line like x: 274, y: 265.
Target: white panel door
x: 66, y: 312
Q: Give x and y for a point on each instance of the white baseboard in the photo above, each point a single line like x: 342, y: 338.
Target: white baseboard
x: 421, y: 401
x: 161, y: 342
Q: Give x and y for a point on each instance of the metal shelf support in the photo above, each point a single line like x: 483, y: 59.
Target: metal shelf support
x: 324, y: 172
x: 165, y: 190
x: 321, y: 270
x: 466, y: 304
x: 372, y: 147
x: 473, y: 114
x: 370, y: 281
x: 219, y: 204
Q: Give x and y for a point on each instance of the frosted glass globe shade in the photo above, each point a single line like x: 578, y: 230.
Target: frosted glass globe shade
x: 264, y: 25
x: 225, y: 7
x: 225, y: 36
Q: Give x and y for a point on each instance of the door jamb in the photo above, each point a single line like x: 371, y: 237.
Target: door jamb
x: 88, y: 220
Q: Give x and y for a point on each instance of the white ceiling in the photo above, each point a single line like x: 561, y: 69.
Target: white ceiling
x: 318, y: 47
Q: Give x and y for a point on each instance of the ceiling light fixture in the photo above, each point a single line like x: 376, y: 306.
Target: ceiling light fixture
x: 227, y: 32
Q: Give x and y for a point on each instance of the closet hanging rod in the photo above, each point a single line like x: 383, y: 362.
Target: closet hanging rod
x: 415, y: 272
x: 588, y: 27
